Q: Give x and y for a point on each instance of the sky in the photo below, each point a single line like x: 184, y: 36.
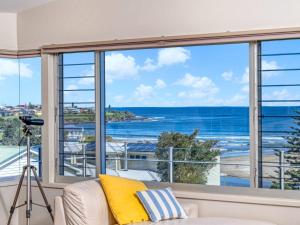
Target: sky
x: 214, y: 75
x: 20, y: 87
x: 182, y: 76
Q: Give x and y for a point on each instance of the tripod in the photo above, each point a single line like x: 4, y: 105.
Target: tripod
x: 28, y: 168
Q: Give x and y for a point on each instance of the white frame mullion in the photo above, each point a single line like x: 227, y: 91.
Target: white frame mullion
x: 254, y: 107
x: 49, y: 66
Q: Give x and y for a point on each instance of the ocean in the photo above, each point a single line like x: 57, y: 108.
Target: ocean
x: 228, y: 125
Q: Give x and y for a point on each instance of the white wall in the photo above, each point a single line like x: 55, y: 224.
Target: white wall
x: 72, y: 21
x: 8, y: 31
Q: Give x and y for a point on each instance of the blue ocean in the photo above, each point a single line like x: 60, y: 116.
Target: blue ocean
x: 228, y: 125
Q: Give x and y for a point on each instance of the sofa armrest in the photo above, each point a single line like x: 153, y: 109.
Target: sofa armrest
x: 190, y: 208
x: 59, y: 212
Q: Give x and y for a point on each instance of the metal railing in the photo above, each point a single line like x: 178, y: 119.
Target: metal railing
x: 125, y: 159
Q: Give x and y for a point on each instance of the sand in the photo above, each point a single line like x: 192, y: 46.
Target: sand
x: 243, y: 171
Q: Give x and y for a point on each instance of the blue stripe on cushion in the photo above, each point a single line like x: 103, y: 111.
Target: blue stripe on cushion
x: 158, y: 202
x: 157, y: 205
x: 171, y: 215
x: 151, y: 214
x: 167, y: 191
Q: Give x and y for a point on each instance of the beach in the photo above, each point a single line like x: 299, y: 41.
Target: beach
x: 244, y: 171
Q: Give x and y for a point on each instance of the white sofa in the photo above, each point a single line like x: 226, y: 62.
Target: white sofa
x: 84, y: 203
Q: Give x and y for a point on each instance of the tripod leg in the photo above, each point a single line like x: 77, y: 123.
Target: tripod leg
x: 42, y: 192
x: 13, y: 207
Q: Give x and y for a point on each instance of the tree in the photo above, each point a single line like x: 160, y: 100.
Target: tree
x: 12, y: 132
x: 292, y: 157
x: 185, y: 148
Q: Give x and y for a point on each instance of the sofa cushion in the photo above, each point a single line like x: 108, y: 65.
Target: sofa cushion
x: 85, y: 204
x: 122, y: 199
x: 161, y: 204
x: 207, y: 221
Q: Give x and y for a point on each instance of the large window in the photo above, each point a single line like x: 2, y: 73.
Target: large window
x: 280, y: 114
x: 20, y: 94
x: 179, y: 114
x: 183, y: 114
x: 77, y: 114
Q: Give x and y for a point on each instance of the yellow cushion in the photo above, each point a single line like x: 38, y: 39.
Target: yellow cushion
x: 122, y: 199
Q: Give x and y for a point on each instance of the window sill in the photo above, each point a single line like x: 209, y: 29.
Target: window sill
x: 221, y: 194
x: 233, y: 194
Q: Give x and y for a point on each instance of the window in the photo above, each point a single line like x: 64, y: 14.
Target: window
x: 77, y: 114
x: 20, y: 94
x: 182, y: 114
x: 280, y: 114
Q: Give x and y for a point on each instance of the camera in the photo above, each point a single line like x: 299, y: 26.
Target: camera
x: 28, y: 120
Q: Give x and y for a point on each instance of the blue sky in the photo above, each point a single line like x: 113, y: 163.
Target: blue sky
x: 182, y: 76
x: 214, y: 75
x: 15, y: 89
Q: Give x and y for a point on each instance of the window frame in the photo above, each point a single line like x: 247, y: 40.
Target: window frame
x: 254, y: 107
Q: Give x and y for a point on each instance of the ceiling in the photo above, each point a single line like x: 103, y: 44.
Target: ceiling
x: 14, y: 6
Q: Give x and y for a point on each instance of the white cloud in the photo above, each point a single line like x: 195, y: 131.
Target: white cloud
x: 245, y: 89
x: 228, y: 75
x: 160, y: 84
x: 237, y: 99
x: 199, y: 87
x: 149, y: 65
x: 143, y: 92
x: 167, y: 57
x: 266, y: 65
x: 282, y: 94
x: 9, y: 68
x: 245, y: 76
x: 71, y: 87
x: 89, y: 80
x: 118, y: 67
x: 170, y: 56
x: 119, y: 98
x: 269, y: 65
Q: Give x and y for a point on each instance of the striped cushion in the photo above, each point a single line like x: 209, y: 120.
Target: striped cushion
x: 161, y: 204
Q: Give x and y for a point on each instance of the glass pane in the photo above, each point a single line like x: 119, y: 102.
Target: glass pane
x: 20, y: 94
x: 281, y: 77
x: 77, y: 136
x: 79, y: 58
x: 280, y: 115
x: 179, y: 114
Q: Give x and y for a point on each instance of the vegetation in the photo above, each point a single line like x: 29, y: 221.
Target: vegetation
x: 113, y: 115
x: 186, y: 148
x: 11, y: 132
x: 110, y: 116
x: 291, y: 156
x: 79, y: 118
